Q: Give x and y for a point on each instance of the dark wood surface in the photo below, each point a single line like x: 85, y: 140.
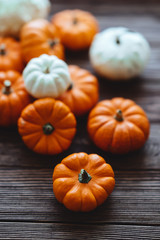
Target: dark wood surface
x: 28, y: 208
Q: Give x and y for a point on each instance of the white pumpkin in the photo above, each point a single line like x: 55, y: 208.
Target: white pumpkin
x: 119, y: 53
x: 46, y: 76
x: 14, y: 13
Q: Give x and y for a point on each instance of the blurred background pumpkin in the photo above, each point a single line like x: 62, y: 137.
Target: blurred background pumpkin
x: 14, y: 13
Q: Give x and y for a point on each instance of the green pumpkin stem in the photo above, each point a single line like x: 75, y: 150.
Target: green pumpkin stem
x: 48, y: 129
x: 119, y: 115
x: 84, y: 177
x: 2, y: 49
x: 7, y: 87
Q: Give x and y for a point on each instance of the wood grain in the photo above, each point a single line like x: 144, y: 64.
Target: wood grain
x: 28, y: 208
x: 26, y: 195
x: 41, y: 231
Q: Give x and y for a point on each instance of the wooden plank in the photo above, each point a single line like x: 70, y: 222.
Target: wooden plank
x: 26, y: 195
x: 19, y: 231
x: 103, y: 7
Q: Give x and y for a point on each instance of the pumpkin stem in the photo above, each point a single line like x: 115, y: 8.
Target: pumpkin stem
x: 118, y: 40
x: 53, y: 42
x: 70, y: 87
x: 119, y: 115
x: 47, y: 70
x: 75, y: 20
x: 48, y: 129
x: 84, y: 177
x: 2, y: 49
x: 7, y: 87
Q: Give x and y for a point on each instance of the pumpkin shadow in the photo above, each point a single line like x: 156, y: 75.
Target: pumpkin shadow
x: 104, y: 211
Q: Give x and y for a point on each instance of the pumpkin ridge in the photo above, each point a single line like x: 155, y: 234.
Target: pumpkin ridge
x: 111, y: 141
x: 89, y: 190
x: 94, y: 182
x: 71, y: 169
x: 61, y: 134
x: 137, y: 128
x: 100, y: 127
x: 57, y: 140
x: 130, y: 139
x: 97, y: 115
x: 64, y: 171
x: 20, y: 103
x: 85, y: 95
x: 94, y: 195
x: 96, y: 129
x: 51, y: 113
x: 66, y: 192
x: 62, y: 119
x: 37, y: 111
x: 29, y: 121
x: 75, y: 185
x: 35, y: 131
x: 37, y: 143
x: 132, y: 114
x: 30, y: 136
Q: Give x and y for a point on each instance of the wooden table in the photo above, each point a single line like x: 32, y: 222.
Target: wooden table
x: 28, y: 208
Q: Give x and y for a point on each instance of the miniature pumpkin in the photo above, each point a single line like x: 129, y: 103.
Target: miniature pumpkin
x: 14, y: 13
x: 118, y: 125
x: 38, y: 37
x: 10, y: 55
x: 47, y: 126
x: 76, y: 28
x: 119, y: 53
x: 82, y: 182
x: 46, y: 76
x: 82, y: 93
x: 13, y: 97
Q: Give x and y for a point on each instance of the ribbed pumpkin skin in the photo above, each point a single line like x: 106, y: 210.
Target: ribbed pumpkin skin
x: 12, y: 104
x: 46, y: 76
x: 12, y: 59
x: 115, y: 136
x: 36, y: 37
x: 78, y: 196
x: 85, y: 92
x: 76, y: 28
x: 43, y: 111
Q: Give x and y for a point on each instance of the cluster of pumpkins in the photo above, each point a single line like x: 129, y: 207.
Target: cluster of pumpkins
x: 48, y: 125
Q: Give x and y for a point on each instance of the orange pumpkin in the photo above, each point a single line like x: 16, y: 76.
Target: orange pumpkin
x: 82, y: 94
x: 13, y: 97
x: 10, y: 55
x: 82, y: 182
x: 76, y: 28
x: 39, y: 37
x: 118, y: 125
x: 47, y: 126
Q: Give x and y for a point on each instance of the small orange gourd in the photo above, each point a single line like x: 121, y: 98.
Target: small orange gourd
x: 83, y: 93
x: 82, y: 182
x: 39, y: 37
x: 76, y: 28
x: 10, y: 55
x: 13, y: 97
x: 118, y: 125
x: 47, y: 126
